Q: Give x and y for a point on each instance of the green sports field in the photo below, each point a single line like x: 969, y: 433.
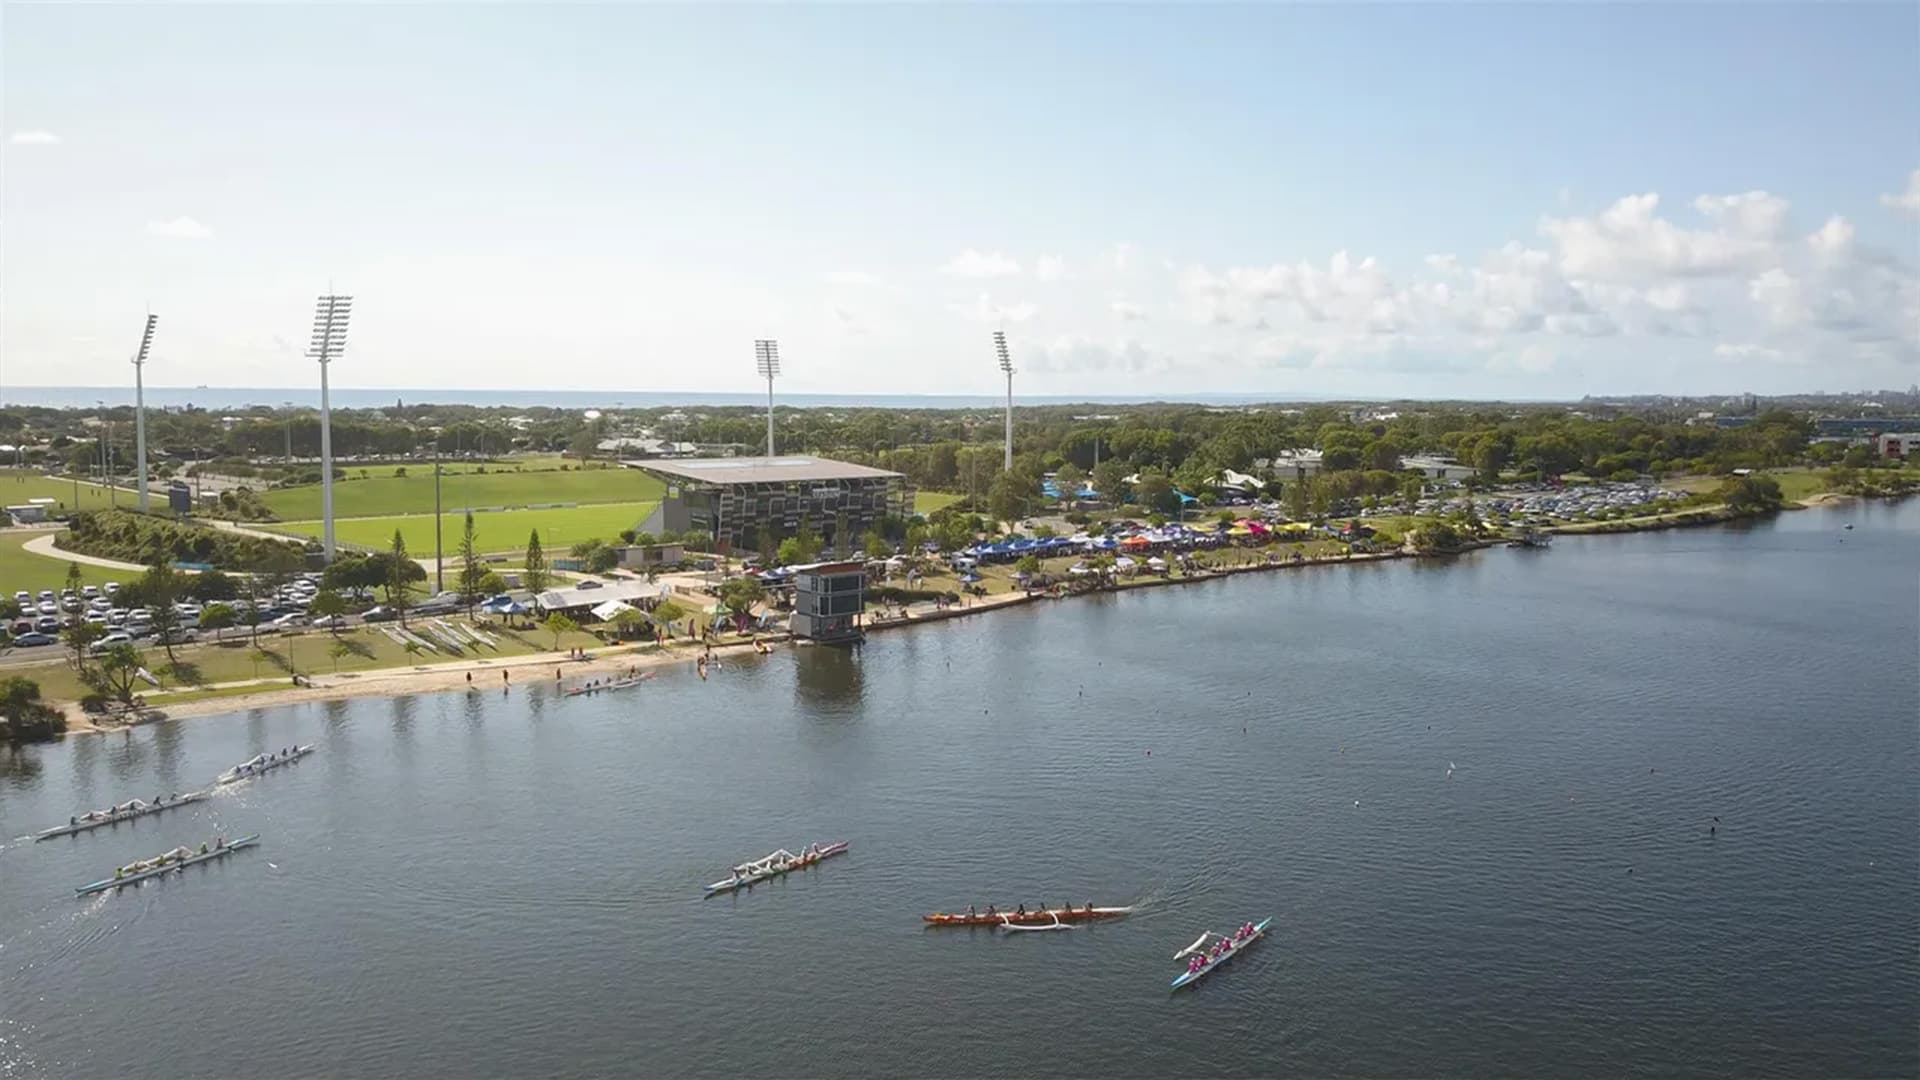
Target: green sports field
x: 926, y: 502
x: 19, y: 485
x: 496, y: 532
x: 383, y: 494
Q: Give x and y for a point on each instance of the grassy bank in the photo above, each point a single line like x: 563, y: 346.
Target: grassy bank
x: 279, y: 656
x: 25, y: 570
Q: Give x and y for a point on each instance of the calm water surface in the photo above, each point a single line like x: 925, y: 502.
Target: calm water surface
x: 494, y: 885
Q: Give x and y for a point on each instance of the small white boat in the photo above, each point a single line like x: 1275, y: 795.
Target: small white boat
x: 260, y: 763
x: 1209, y: 964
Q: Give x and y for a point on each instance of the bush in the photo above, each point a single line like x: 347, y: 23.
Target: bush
x: 141, y: 538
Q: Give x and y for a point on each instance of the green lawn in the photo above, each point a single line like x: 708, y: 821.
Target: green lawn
x: 1795, y: 484
x: 25, y: 570
x: 309, y: 652
x: 537, y: 482
x: 19, y: 485
x: 499, y: 531
x: 926, y: 502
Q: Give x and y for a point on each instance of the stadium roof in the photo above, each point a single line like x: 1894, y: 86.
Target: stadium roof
x: 760, y: 470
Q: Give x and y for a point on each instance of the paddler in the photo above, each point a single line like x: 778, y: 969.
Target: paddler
x: 970, y: 911
x: 1022, y: 911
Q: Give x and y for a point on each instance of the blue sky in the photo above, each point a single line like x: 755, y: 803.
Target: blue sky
x: 1531, y: 201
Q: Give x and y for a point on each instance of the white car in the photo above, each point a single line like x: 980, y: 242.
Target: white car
x: 23, y: 598
x: 108, y: 642
x: 291, y: 619
x: 90, y: 591
x: 112, y: 587
x: 46, y: 596
x: 48, y: 607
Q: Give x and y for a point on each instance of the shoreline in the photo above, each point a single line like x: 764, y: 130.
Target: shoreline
x: 537, y: 668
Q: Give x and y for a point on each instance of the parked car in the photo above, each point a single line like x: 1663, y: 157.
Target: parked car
x: 330, y: 622
x: 48, y: 607
x: 380, y: 614
x: 23, y: 626
x: 26, y: 640
x: 47, y: 624
x: 180, y: 635
x: 90, y: 591
x: 289, y: 620
x: 23, y: 598
x: 117, y: 637
x: 112, y: 587
x: 46, y: 596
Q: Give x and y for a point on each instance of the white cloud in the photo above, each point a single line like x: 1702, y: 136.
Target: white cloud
x: 1628, y: 240
x: 976, y: 264
x: 986, y: 310
x: 180, y: 228
x: 1128, y: 312
x: 1734, y: 352
x: 1907, y: 201
x: 852, y: 277
x: 1049, y: 268
x: 33, y: 138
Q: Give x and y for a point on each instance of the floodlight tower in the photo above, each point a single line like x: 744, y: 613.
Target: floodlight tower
x: 1006, y: 365
x: 766, y: 358
x: 330, y: 316
x: 140, y: 410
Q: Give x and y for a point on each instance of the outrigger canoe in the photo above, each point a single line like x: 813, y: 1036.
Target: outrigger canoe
x: 1043, y: 917
x: 779, y: 863
x: 129, y: 879
x: 616, y: 684
x: 1211, y: 964
x: 260, y: 763
x: 94, y: 819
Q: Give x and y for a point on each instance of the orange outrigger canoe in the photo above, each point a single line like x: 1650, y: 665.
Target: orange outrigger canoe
x: 1030, y: 918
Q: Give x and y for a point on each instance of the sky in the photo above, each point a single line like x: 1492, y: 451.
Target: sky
x: 1520, y: 201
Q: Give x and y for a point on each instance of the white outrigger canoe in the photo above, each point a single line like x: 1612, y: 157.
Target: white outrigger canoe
x: 123, y: 880
x: 1234, y: 948
x: 260, y: 763
x: 94, y: 819
x: 775, y: 865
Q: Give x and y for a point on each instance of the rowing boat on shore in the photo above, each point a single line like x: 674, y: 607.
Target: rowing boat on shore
x: 94, y: 819
x: 616, y: 684
x: 1229, y: 947
x: 775, y: 865
x: 260, y: 763
x: 1037, y: 919
x: 122, y: 878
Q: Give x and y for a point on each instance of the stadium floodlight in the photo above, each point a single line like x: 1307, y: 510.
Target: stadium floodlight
x: 766, y: 360
x: 140, y: 410
x: 1006, y: 365
x: 330, y: 315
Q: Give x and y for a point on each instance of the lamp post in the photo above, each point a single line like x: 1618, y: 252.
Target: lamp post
x: 140, y: 409
x: 1006, y: 365
x: 330, y: 316
x: 766, y: 360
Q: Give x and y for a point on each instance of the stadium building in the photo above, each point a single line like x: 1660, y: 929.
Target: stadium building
x: 736, y: 500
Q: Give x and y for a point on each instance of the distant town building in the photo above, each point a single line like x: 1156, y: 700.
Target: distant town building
x: 1290, y: 464
x: 744, y: 501
x: 1901, y: 445
x: 828, y: 599
x: 27, y: 514
x: 1436, y: 467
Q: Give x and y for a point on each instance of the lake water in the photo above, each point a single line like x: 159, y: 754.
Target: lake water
x: 510, y: 885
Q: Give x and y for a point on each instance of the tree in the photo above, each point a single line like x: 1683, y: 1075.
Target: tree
x: 877, y: 546
x: 23, y: 716
x: 161, y: 587
x: 666, y: 613
x: 74, y: 578
x: 1299, y: 499
x: 212, y: 586
x: 1068, y: 480
x: 399, y: 583
x: 339, y: 650
x: 9, y: 608
x: 118, y: 673
x: 1155, y: 491
x: 492, y: 584
x: 1110, y: 481
x: 559, y: 625
x: 217, y: 617
x: 802, y: 547
x: 80, y: 637
x: 1006, y: 497
x: 1028, y: 564
x: 328, y: 605
x: 1411, y: 488
x: 536, y: 576
x: 471, y: 571
x: 741, y: 593
x: 628, y: 622
x: 1749, y: 493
